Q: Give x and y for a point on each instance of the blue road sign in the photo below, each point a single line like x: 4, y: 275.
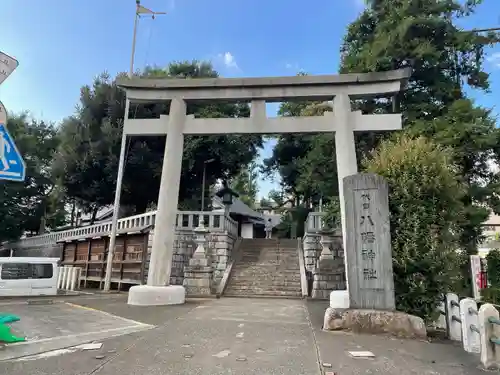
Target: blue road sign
x: 12, y: 165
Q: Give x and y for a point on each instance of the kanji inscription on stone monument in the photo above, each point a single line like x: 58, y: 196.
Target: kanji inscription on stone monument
x: 368, y: 250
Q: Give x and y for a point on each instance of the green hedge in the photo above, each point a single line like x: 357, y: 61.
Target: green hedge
x: 425, y: 206
x: 491, y: 295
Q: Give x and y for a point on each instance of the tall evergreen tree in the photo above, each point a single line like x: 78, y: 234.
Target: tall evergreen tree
x: 423, y: 34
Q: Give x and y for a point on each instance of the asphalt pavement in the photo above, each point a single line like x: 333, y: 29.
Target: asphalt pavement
x: 233, y: 336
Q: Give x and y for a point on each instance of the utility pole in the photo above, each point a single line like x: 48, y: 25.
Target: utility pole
x: 139, y: 9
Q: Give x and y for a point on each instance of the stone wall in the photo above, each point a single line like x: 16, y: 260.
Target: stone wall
x: 219, y: 248
x: 328, y: 271
x: 312, y: 249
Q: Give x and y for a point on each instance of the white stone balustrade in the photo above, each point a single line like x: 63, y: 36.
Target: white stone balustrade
x: 186, y: 220
x: 68, y: 278
x: 314, y: 222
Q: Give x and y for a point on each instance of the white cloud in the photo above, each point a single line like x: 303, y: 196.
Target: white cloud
x: 228, y: 59
x: 360, y: 4
x: 293, y: 66
x: 494, y: 59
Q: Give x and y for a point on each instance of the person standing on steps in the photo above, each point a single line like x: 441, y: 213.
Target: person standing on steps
x: 268, y: 228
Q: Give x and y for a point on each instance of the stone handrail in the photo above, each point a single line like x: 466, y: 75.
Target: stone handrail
x: 235, y: 257
x: 303, y: 279
x: 314, y: 222
x: 186, y: 220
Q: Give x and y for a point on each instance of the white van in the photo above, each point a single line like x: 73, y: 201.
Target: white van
x: 28, y: 276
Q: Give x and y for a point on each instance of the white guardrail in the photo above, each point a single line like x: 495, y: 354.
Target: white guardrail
x: 186, y: 220
x: 477, y: 329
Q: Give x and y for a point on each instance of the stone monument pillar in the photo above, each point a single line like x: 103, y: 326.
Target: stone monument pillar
x: 198, y: 275
x: 368, y: 242
x: 371, y: 304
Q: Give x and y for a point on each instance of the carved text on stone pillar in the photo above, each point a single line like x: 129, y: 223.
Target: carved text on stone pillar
x: 368, y: 242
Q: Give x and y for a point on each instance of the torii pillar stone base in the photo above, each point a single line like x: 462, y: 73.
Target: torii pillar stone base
x: 148, y: 295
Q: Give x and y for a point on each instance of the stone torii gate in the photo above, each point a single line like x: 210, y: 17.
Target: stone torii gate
x: 343, y: 121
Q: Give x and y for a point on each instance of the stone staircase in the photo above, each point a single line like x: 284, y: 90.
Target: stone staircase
x: 266, y: 268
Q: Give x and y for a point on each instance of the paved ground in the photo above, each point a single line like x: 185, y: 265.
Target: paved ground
x: 241, y: 336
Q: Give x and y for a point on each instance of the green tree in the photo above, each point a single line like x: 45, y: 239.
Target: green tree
x: 26, y: 206
x: 245, y: 183
x: 424, y: 34
x: 87, y: 162
x: 425, y: 203
x: 288, y: 153
x: 491, y: 294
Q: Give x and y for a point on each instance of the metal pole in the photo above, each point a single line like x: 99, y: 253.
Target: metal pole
x: 116, y: 207
x: 131, y: 71
x: 203, y: 187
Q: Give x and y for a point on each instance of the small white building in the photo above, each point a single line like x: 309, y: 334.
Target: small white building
x: 250, y: 222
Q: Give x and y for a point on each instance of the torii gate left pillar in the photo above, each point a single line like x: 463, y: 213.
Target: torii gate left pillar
x: 342, y: 121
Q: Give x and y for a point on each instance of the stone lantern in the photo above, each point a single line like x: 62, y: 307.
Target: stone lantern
x: 226, y: 194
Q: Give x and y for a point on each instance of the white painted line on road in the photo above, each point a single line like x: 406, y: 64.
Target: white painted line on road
x: 134, y: 322
x: 128, y: 329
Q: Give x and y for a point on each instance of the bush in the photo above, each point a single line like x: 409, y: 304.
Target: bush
x: 491, y: 295
x: 332, y: 219
x: 493, y: 261
x: 425, y: 207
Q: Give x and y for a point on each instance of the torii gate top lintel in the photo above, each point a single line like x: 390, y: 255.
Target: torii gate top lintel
x: 319, y: 87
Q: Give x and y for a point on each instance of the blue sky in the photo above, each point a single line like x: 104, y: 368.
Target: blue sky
x: 62, y: 45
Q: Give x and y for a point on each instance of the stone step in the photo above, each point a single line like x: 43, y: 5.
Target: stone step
x: 259, y: 273
x: 265, y: 286
x: 268, y: 249
x: 263, y: 289
x: 269, y: 293
x: 266, y: 271
x: 264, y: 296
x: 270, y: 258
x: 269, y: 262
x: 267, y: 268
x: 250, y: 278
x: 267, y: 275
x: 289, y: 276
x: 269, y: 255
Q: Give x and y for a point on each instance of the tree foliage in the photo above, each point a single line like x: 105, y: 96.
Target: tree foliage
x: 29, y: 206
x: 424, y: 35
x: 493, y: 261
x: 445, y: 60
x: 426, y: 209
x: 491, y: 294
x: 87, y: 161
x: 245, y: 183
